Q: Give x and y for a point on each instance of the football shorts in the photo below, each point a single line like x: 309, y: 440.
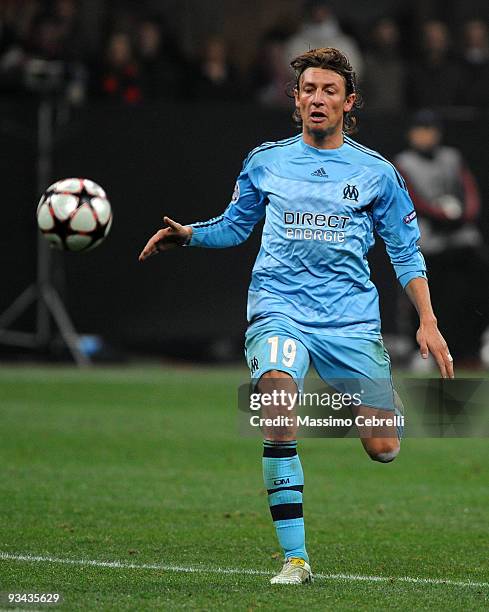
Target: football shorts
x: 347, y: 364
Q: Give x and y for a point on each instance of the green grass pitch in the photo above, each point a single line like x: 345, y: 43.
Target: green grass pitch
x: 144, y: 467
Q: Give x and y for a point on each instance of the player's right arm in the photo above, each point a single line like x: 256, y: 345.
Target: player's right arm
x: 167, y: 238
x: 233, y: 227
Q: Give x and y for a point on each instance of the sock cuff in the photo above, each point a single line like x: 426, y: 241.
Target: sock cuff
x: 272, y: 448
x: 279, y: 443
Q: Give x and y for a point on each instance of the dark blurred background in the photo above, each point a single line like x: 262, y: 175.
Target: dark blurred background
x: 159, y: 102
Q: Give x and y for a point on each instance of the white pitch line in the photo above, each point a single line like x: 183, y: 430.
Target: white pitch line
x: 234, y: 570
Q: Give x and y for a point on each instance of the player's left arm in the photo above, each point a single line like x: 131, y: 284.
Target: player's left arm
x: 394, y: 219
x: 428, y: 335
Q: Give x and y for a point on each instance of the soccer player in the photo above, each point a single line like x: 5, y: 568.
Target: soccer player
x: 311, y: 298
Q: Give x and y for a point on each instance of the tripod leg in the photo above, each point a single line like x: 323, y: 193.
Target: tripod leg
x: 65, y: 326
x: 18, y: 306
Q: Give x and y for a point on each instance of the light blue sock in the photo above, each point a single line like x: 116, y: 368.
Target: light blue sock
x: 284, y: 480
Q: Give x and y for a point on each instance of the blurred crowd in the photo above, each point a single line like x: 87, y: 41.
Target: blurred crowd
x: 42, y: 44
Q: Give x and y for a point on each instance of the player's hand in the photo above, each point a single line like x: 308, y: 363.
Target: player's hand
x: 431, y: 341
x: 167, y: 238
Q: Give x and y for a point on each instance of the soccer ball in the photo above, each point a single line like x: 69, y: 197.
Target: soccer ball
x: 74, y: 214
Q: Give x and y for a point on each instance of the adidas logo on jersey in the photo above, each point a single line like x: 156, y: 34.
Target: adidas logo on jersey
x: 319, y: 172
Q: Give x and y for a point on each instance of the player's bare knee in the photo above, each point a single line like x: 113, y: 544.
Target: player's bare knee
x: 269, y: 383
x: 383, y: 451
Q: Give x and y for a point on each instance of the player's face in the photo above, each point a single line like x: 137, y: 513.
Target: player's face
x: 322, y: 100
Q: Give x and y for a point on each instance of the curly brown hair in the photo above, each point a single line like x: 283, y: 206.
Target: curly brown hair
x: 330, y: 59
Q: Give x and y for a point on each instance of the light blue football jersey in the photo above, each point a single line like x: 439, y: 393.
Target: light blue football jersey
x: 321, y: 208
